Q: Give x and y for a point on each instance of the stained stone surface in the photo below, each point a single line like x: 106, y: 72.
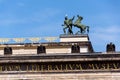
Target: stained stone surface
x: 26, y: 64
x: 110, y: 69
x: 73, y: 76
x: 74, y: 38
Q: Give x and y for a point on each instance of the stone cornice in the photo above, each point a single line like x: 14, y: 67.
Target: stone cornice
x: 60, y: 57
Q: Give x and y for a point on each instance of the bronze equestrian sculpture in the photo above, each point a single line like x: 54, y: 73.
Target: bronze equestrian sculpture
x: 68, y: 23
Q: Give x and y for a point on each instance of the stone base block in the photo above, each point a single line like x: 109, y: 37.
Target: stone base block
x: 74, y: 38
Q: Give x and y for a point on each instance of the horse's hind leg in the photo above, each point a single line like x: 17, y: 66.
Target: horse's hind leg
x: 81, y: 30
x: 87, y: 29
x: 77, y: 32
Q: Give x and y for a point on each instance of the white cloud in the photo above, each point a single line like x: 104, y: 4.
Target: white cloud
x: 44, y: 14
x: 8, y: 22
x: 107, y: 33
x: 100, y: 36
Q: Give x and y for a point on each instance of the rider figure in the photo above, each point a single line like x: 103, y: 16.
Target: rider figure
x: 68, y: 24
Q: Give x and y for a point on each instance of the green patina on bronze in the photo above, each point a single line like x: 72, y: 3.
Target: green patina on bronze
x: 68, y: 23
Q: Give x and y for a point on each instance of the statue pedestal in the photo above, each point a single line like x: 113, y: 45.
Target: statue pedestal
x: 74, y: 38
x: 81, y: 41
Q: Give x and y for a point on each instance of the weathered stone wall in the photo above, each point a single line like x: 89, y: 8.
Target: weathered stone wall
x: 74, y: 38
x: 1, y: 52
x: 52, y: 50
x: 25, y: 51
x: 58, y: 50
x: 67, y: 76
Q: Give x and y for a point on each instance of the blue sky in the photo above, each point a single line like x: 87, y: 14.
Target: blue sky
x: 39, y: 18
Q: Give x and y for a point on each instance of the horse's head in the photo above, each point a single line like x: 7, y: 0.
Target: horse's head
x: 80, y: 17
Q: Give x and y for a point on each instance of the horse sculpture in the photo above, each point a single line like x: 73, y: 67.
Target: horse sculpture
x: 82, y: 27
x: 68, y: 23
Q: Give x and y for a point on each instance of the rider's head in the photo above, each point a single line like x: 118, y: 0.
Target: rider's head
x: 77, y: 15
x: 66, y: 18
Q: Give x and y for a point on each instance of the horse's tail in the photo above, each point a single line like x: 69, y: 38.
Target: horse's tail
x: 87, y: 29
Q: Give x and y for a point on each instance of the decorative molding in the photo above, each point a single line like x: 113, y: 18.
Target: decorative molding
x: 31, y: 39
x: 4, y: 40
x: 19, y: 40
x: 50, y: 39
x: 35, y: 39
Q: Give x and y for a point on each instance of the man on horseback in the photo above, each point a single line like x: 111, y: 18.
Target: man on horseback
x: 81, y: 26
x: 68, y: 24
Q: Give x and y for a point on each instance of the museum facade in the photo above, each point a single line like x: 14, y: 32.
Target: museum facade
x: 72, y: 58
